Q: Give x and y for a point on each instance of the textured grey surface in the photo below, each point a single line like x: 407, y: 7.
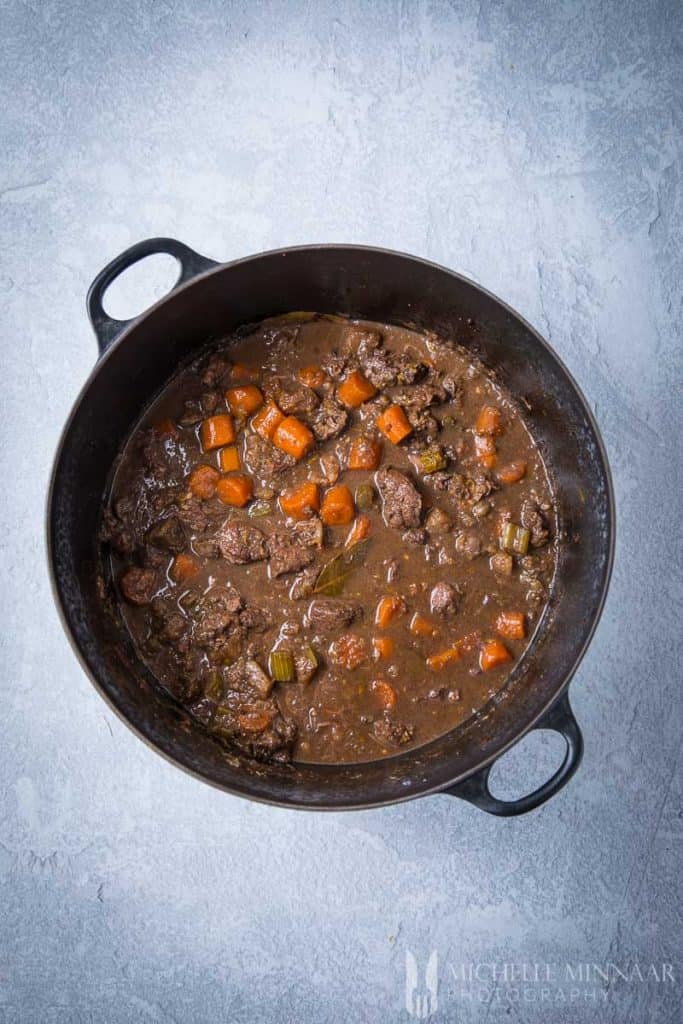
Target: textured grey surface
x: 533, y: 146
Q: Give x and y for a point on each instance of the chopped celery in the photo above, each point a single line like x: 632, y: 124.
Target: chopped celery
x: 281, y: 666
x: 365, y: 496
x: 260, y: 508
x: 515, y: 538
x: 432, y: 459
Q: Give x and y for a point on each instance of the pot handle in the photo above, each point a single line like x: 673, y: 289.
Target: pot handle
x: 475, y: 789
x: 107, y: 329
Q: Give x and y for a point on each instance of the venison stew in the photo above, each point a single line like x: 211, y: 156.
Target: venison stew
x: 331, y: 540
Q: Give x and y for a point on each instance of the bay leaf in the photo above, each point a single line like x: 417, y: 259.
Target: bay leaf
x: 333, y: 576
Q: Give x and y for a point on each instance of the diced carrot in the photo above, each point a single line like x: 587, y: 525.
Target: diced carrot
x: 203, y: 480
x: 337, y: 507
x: 312, y: 376
x: 245, y: 399
x: 485, y: 450
x: 489, y: 420
x: 387, y: 609
x: 240, y: 371
x: 355, y: 390
x: 492, y: 654
x: 229, y: 459
x: 349, y: 651
x: 255, y: 721
x: 166, y: 428
x: 301, y: 503
x: 383, y: 647
x: 394, y: 423
x: 359, y: 530
x: 513, y: 472
x: 217, y: 431
x: 385, y: 692
x: 512, y: 625
x: 236, y: 489
x: 184, y: 567
x: 437, y: 662
x: 293, y: 437
x: 267, y: 420
x: 365, y: 453
x: 420, y: 626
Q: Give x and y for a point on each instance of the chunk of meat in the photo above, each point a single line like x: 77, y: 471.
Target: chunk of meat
x: 533, y: 519
x: 310, y: 532
x: 330, y: 614
x: 361, y: 341
x: 295, y: 399
x: 303, y: 584
x: 419, y: 396
x: 216, y: 368
x: 240, y: 544
x: 247, y: 677
x: 416, y: 536
x: 263, y: 459
x: 392, y: 734
x: 329, y: 420
x: 444, y: 599
x: 437, y: 522
x: 468, y: 544
x: 192, y: 512
x: 401, y: 500
x: 255, y: 619
x: 168, y: 534
x: 287, y: 555
x: 116, y: 533
x: 216, y: 613
x: 139, y: 586
x: 334, y: 365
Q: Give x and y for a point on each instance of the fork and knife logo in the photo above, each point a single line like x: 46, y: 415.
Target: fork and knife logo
x: 422, y: 992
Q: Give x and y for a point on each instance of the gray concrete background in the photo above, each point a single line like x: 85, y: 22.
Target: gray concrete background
x: 533, y: 146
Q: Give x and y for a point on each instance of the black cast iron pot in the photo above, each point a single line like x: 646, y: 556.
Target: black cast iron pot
x: 209, y: 299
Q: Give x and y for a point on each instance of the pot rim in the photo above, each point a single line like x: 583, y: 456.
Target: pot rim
x: 234, y: 790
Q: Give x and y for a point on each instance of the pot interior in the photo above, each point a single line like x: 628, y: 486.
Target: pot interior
x: 376, y: 285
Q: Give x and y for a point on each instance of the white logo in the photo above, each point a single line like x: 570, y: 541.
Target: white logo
x: 421, y: 1000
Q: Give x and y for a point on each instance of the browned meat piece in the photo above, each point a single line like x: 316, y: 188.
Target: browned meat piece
x: 216, y: 613
x: 296, y: 399
x: 501, y: 563
x: 169, y: 623
x: 329, y: 420
x: 330, y: 614
x: 437, y: 522
x: 380, y: 369
x: 207, y: 547
x: 468, y: 544
x: 305, y: 667
x: 329, y: 463
x: 410, y: 368
x: 310, y: 532
x: 401, y: 500
x: 419, y: 396
x: 361, y: 341
x: 423, y: 423
x: 533, y: 519
x: 167, y: 535
x: 415, y: 536
x: 286, y: 555
x: 303, y: 584
x: 393, y: 734
x: 334, y: 365
x: 452, y: 386
x: 444, y: 599
x: 255, y: 619
x: 193, y: 514
x: 248, y: 678
x: 215, y: 369
x: 209, y: 401
x: 263, y: 459
x: 240, y: 544
x: 191, y: 414
x: 115, y: 533
x: 139, y: 586
x: 466, y: 490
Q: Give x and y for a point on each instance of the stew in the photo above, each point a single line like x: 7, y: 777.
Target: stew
x: 331, y: 540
